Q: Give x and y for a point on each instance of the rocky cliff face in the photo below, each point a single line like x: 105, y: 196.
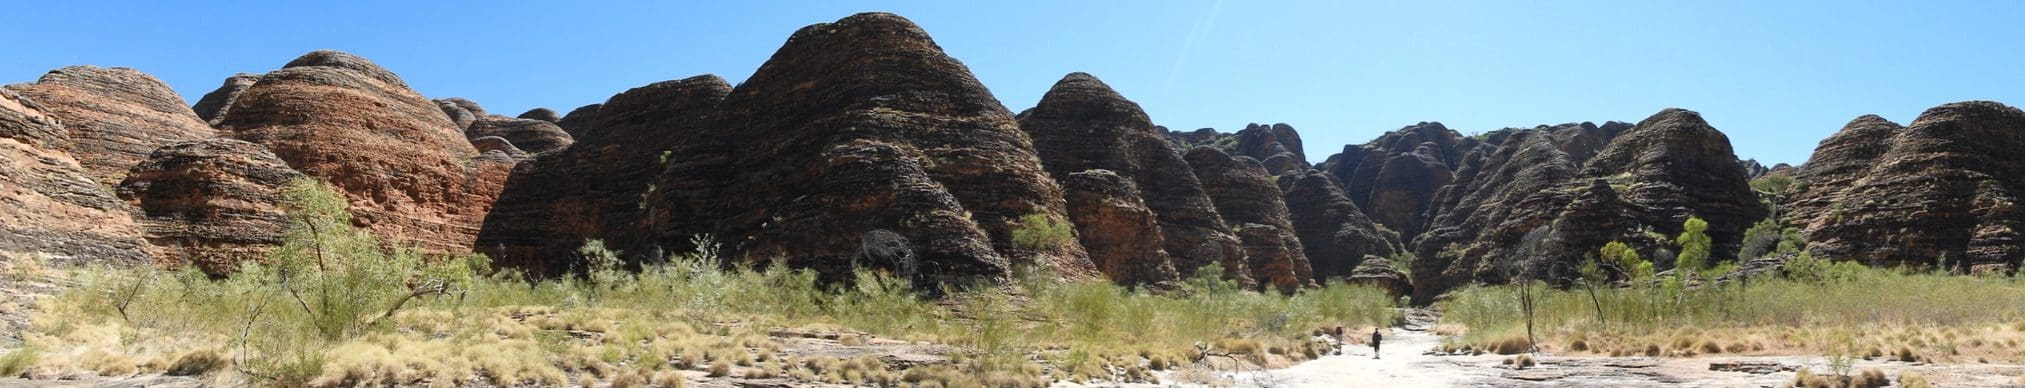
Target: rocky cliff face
x: 1677, y: 166
x: 1277, y: 147
x: 843, y: 110
x: 210, y: 203
x: 1333, y: 231
x: 114, y: 116
x: 50, y: 206
x: 540, y: 218
x: 1943, y: 188
x: 1395, y: 176
x: 1082, y: 124
x: 859, y: 144
x: 1514, y: 190
x: 1121, y: 233
x: 407, y: 170
x: 213, y: 104
x: 580, y: 120
x: 1265, y: 142
x: 1247, y: 196
x: 1838, y: 163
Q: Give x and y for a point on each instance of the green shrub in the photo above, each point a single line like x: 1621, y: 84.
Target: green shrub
x: 18, y: 361
x: 1759, y: 240
x: 1040, y: 232
x: 1620, y: 256
x: 342, y: 277
x: 1694, y: 247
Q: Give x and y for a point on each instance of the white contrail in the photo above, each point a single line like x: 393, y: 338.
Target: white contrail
x: 1198, y: 31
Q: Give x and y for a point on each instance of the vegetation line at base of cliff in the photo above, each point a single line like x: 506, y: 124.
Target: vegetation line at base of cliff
x: 1839, y: 309
x: 335, y: 307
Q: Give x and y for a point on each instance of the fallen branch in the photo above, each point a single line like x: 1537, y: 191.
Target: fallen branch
x: 430, y: 287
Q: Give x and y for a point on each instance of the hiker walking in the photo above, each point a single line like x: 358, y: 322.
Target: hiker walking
x: 1375, y: 339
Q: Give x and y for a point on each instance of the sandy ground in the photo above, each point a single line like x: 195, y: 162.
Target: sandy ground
x: 1401, y: 363
x: 1408, y: 362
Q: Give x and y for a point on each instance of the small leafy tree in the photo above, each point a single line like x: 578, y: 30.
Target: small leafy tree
x: 1791, y: 242
x: 341, y: 277
x: 1637, y: 270
x: 1626, y: 260
x: 1694, y: 247
x: 1038, y: 232
x: 1761, y: 239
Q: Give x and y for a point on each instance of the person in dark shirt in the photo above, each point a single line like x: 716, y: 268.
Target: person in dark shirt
x: 1375, y: 339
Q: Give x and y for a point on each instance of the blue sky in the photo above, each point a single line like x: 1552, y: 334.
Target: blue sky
x: 1776, y: 77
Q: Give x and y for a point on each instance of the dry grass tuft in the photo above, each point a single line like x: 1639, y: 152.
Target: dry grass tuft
x: 1710, y: 347
x: 1522, y: 361
x: 635, y: 378
x: 720, y: 368
x: 622, y: 328
x: 669, y: 379
x: 1869, y: 378
x: 198, y: 363
x: 1511, y: 345
x: 18, y: 361
x: 1806, y: 378
x: 1911, y: 379
x: 1579, y: 346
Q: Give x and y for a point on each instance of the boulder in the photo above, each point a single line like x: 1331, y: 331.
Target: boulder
x: 487, y: 144
x: 462, y: 118
x: 543, y: 114
x: 1382, y: 273
x: 533, y: 136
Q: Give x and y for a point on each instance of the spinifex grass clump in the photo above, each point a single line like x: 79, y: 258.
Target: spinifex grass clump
x: 335, y: 306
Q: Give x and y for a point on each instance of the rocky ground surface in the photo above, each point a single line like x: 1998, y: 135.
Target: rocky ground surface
x: 1407, y: 367
x: 1410, y: 359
